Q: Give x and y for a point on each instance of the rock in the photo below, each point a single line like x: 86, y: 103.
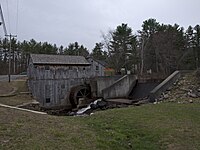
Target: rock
x: 186, y: 90
x: 198, y: 73
x: 190, y: 101
x: 198, y: 90
x: 71, y: 113
x: 198, y: 94
x: 172, y: 100
x: 98, y: 104
x: 101, y: 104
x: 179, y: 83
x: 6, y: 141
x: 145, y: 101
x: 166, y: 96
x: 129, y: 144
x: 137, y: 104
x: 169, y: 89
x: 193, y: 95
x: 93, y: 106
x: 156, y: 102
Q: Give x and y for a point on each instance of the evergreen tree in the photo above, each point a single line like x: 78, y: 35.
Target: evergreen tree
x: 98, y: 53
x: 197, y: 44
x: 76, y: 49
x: 121, y: 46
x: 148, y: 53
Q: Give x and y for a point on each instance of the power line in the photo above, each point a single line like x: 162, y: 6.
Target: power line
x: 10, y: 36
x: 3, y: 22
x: 8, y: 16
x: 17, y: 17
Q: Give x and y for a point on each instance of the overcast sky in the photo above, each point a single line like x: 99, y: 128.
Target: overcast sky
x: 66, y: 21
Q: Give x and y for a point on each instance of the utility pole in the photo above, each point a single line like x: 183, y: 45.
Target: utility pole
x: 3, y: 22
x: 10, y: 47
x: 10, y: 36
x: 5, y: 32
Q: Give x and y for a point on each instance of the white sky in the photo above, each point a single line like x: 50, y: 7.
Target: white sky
x: 66, y: 21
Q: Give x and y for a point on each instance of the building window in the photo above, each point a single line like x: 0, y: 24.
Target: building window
x: 70, y: 67
x: 47, y: 100
x: 97, y: 67
x: 47, y: 68
x: 84, y: 68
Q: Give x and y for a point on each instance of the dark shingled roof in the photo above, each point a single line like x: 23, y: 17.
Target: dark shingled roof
x: 58, y: 59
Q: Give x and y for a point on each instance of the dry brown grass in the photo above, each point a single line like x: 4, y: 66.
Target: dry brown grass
x: 11, y: 93
x: 5, y: 88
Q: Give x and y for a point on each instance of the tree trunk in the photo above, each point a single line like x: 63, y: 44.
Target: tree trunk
x: 142, y: 58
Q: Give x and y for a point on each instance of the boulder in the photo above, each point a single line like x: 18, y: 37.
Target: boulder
x: 93, y: 106
x: 166, y: 96
x: 193, y: 95
x: 190, y: 101
x: 101, y: 104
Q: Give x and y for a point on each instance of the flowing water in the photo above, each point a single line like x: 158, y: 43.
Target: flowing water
x: 83, y: 110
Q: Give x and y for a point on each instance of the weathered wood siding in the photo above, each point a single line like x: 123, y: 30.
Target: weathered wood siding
x: 97, y: 69
x: 52, y: 87
x: 51, y: 84
x: 38, y: 72
x: 57, y: 91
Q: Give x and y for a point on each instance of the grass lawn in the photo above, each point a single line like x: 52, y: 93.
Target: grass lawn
x: 160, y: 126
x: 170, y: 126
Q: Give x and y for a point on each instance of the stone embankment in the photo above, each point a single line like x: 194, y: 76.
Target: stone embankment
x: 184, y: 90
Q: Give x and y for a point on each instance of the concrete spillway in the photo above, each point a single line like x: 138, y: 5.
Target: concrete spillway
x: 142, y: 90
x: 153, y: 88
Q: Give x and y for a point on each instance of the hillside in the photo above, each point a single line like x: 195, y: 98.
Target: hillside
x: 173, y: 124
x: 185, y: 90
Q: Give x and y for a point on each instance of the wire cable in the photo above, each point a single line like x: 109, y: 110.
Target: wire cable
x: 3, y: 21
x: 17, y: 17
x: 8, y: 16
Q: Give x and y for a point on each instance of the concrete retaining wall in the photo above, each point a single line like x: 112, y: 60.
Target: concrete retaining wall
x: 163, y: 86
x: 104, y: 82
x: 121, y: 88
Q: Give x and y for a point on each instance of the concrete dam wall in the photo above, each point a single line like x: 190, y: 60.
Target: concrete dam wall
x: 120, y: 88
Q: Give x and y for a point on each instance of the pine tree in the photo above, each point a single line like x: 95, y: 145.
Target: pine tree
x: 121, y: 46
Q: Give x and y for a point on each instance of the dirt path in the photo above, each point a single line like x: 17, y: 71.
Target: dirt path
x: 22, y: 109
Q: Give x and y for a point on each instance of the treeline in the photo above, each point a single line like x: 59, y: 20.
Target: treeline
x: 21, y: 51
x: 156, y: 48
x: 165, y: 48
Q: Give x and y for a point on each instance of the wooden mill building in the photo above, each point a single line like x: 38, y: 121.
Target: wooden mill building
x: 53, y: 79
